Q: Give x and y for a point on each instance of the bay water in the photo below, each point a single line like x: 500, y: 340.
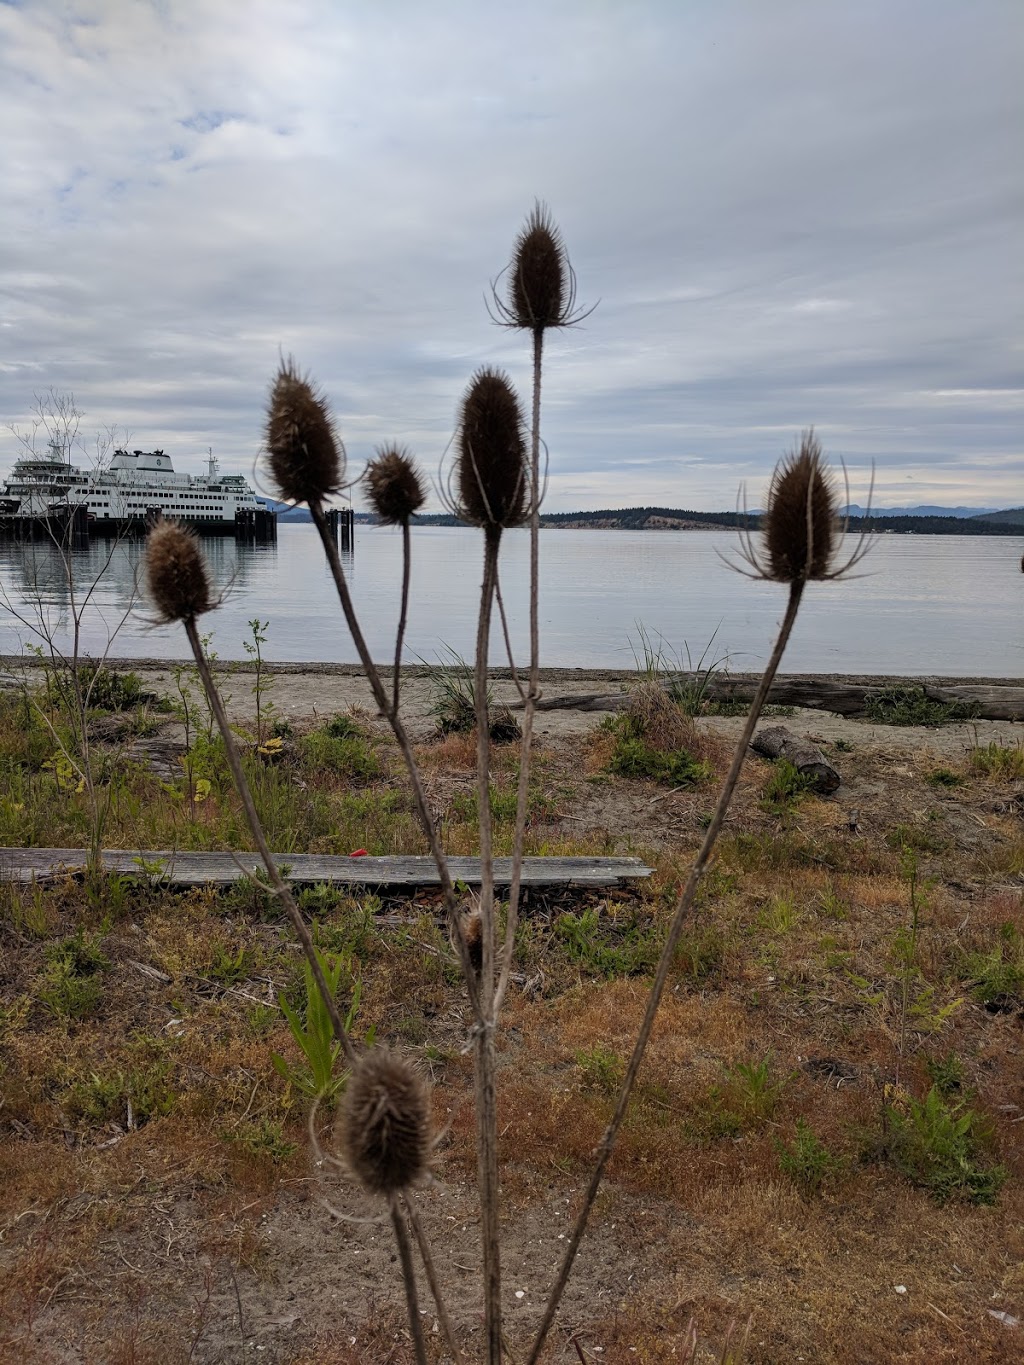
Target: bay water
x: 916, y: 605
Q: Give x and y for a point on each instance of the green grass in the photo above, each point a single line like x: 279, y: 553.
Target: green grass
x: 998, y: 760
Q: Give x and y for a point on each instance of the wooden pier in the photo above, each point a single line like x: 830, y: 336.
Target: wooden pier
x: 342, y: 521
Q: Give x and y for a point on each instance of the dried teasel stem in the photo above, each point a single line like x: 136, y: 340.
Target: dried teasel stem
x: 280, y: 886
x: 484, y: 1041
x: 403, y: 616
x: 380, y: 696
x: 681, y: 913
x: 533, y: 685
x: 408, y: 1279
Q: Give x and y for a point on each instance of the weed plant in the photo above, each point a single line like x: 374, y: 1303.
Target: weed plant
x: 1001, y: 761
x: 913, y: 706
x: 494, y: 484
x: 940, y: 1145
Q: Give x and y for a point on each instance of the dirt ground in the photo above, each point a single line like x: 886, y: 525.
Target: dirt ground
x: 140, y: 1249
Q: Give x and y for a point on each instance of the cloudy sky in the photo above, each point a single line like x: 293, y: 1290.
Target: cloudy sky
x: 788, y: 213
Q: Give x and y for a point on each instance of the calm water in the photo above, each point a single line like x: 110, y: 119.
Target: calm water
x: 925, y: 604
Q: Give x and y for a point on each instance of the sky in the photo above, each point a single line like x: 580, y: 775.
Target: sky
x: 796, y: 213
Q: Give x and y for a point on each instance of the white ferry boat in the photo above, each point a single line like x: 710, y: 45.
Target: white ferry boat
x: 128, y: 494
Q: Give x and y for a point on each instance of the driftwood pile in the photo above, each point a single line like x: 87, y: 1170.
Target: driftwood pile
x: 844, y: 696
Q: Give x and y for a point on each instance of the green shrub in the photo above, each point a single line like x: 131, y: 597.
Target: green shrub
x: 937, y: 1145
x: 104, y: 689
x: 785, y: 788
x: 349, y: 756
x: 944, y: 777
x: 262, y: 1137
x: 806, y: 1160
x: 998, y: 760
x: 913, y: 706
x: 606, y: 947
x: 601, y: 1068
x: 71, y: 988
x: 997, y: 977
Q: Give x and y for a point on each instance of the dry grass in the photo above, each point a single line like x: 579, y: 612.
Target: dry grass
x: 129, y: 1242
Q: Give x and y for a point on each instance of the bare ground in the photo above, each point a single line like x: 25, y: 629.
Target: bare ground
x: 149, y: 1249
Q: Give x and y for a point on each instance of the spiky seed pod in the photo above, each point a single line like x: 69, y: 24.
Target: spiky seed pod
x: 394, y: 486
x: 473, y: 933
x: 306, y: 458
x: 800, y: 521
x: 176, y: 573
x: 539, y: 277
x: 491, y: 453
x: 385, y: 1122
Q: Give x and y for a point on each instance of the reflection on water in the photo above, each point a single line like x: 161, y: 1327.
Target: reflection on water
x: 42, y: 589
x: 925, y: 604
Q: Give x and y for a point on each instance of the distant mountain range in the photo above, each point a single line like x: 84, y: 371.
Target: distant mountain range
x: 924, y: 510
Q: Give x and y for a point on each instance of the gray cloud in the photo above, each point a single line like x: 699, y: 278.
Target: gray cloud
x: 791, y: 213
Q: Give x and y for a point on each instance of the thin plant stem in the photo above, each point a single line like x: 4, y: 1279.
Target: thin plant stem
x: 403, y: 615
x: 278, y: 883
x: 409, y: 1280
x: 508, y: 639
x: 486, y: 1092
x: 533, y: 687
x: 423, y: 811
x: 444, y: 1321
x: 683, y: 905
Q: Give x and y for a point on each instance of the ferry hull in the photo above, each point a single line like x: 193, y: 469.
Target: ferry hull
x: 76, y: 526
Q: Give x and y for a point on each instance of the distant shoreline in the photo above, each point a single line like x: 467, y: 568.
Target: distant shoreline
x: 642, y: 519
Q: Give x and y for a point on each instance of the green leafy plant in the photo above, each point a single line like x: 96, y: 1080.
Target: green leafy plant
x: 785, y: 787
x: 263, y: 1137
x: 608, y: 948
x: 601, y: 1068
x: 633, y: 757
x: 105, y: 689
x: 265, y: 708
x: 938, y: 1144
x: 71, y: 986
x: 352, y: 756
x: 913, y: 706
x: 752, y: 1091
x: 317, y: 1076
x: 996, y: 977
x: 806, y: 1160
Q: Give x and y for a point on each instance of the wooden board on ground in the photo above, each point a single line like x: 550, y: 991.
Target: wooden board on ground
x: 195, y: 869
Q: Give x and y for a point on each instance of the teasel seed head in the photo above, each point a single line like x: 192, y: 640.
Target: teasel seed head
x: 800, y: 520
x: 176, y: 573
x: 472, y: 924
x: 539, y: 281
x: 490, y: 462
x: 385, y: 1122
x: 306, y: 457
x: 394, y: 485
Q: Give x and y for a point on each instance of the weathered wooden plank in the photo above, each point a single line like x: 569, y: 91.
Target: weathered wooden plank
x: 193, y: 869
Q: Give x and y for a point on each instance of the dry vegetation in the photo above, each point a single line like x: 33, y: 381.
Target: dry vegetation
x: 781, y: 1158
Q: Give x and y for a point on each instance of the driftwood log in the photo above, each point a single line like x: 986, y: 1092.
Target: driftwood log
x: 844, y: 696
x: 776, y: 742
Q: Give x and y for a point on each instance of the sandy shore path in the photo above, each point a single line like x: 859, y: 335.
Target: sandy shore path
x: 305, y: 693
